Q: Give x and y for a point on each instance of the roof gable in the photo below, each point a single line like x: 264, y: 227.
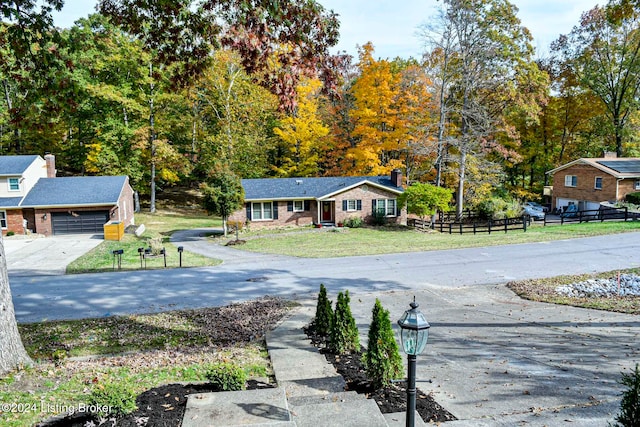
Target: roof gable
x: 75, y: 191
x: 309, y: 188
x: 628, y: 167
x: 15, y: 165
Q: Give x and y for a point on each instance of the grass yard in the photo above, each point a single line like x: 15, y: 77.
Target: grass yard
x: 341, y: 242
x: 158, y: 226
x: 142, y: 351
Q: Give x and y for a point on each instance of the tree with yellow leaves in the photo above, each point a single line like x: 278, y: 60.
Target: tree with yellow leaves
x: 301, y: 134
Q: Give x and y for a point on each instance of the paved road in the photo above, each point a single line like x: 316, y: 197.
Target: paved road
x: 250, y: 276
x: 492, y: 358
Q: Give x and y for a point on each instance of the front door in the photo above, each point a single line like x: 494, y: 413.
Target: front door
x: 327, y: 214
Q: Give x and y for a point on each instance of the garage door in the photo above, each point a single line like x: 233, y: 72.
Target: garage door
x: 79, y: 222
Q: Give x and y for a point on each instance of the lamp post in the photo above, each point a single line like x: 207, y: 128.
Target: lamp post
x: 414, y: 332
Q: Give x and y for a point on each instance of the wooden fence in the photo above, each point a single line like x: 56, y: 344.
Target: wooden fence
x: 475, y: 226
x: 602, y: 214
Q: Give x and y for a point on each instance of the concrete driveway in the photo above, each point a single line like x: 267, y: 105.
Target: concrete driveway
x: 38, y: 256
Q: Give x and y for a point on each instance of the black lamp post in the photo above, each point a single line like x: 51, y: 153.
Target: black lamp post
x: 414, y: 332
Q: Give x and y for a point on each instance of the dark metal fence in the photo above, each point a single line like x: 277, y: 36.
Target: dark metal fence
x: 476, y: 225
x: 602, y: 214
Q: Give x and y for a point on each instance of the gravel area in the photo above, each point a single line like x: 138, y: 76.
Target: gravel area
x: 622, y: 285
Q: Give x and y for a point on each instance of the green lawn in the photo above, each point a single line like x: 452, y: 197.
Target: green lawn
x: 159, y: 225
x: 340, y: 242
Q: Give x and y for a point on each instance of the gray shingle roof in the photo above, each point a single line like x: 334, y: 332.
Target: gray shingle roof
x: 15, y: 165
x: 10, y: 202
x: 75, y: 191
x: 307, y: 188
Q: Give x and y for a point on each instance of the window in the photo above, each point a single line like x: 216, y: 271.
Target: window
x: 385, y: 206
x: 598, y: 184
x: 14, y: 184
x: 636, y: 185
x: 570, y: 181
x: 261, y: 211
x: 3, y: 219
x: 351, y: 205
x: 298, y: 205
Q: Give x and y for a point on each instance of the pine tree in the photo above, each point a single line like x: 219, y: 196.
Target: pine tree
x: 344, y: 332
x: 382, y: 359
x: 630, y: 404
x: 324, y: 314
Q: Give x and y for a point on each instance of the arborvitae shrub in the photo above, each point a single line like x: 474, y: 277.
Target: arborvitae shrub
x: 630, y: 405
x: 324, y: 314
x: 344, y: 332
x: 382, y: 359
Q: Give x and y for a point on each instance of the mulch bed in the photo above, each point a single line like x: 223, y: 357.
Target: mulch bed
x: 162, y: 406
x: 390, y: 399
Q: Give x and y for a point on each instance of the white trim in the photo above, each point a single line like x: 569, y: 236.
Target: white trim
x: 301, y: 207
x: 262, y: 210
x: 595, y: 183
x: 367, y: 182
x: 11, y: 190
x: 568, y: 181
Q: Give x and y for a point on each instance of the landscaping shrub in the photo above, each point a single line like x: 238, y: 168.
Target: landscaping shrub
x: 353, y: 222
x: 379, y: 217
x: 344, y: 332
x: 382, y: 360
x: 630, y: 405
x: 119, y: 397
x: 324, y: 314
x: 227, y: 376
x: 11, y: 233
x: 156, y: 245
x: 633, y: 198
x: 498, y: 208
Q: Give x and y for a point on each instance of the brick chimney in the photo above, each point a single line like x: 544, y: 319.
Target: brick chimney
x: 51, y: 165
x: 396, y: 177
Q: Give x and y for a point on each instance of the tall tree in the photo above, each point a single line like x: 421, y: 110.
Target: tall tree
x: 302, y: 133
x: 604, y: 52
x: 493, y: 77
x: 223, y: 194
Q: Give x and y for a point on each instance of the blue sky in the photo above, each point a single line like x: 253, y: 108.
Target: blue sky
x: 392, y: 25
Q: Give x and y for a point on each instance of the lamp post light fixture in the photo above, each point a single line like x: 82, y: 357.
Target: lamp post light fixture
x: 414, y: 332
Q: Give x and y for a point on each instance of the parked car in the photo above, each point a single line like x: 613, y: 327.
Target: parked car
x: 534, y: 213
x: 536, y: 205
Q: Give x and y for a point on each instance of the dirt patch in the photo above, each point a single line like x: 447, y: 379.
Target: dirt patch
x: 162, y: 406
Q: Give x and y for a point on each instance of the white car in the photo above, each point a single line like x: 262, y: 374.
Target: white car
x: 534, y: 213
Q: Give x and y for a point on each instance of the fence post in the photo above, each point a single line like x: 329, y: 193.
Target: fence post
x: 626, y: 213
x: 524, y: 222
x: 474, y: 227
x: 506, y: 223
x: 489, y: 226
x: 450, y: 228
x: 461, y: 228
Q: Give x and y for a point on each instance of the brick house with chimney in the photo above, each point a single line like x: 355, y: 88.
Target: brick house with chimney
x: 271, y: 202
x: 34, y: 200
x: 587, y: 182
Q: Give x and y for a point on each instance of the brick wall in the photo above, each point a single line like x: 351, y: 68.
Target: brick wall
x: 585, y: 188
x: 14, y: 222
x: 365, y: 193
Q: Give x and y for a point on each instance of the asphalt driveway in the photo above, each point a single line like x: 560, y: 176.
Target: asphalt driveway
x: 46, y: 256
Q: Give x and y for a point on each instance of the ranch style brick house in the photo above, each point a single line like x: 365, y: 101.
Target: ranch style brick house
x: 588, y: 181
x: 34, y: 200
x: 274, y: 202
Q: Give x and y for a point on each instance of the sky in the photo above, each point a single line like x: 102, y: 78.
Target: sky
x: 392, y: 26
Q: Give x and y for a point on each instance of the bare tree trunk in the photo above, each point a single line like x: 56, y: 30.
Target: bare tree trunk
x: 12, y: 352
x: 461, y: 178
x: 152, y: 144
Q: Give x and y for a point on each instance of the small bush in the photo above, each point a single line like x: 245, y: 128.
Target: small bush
x: 119, y: 398
x: 227, y: 376
x: 379, y: 217
x: 382, y: 360
x: 498, y: 208
x: 235, y: 225
x: 633, y: 198
x: 156, y: 245
x: 630, y: 405
x: 344, y: 332
x: 324, y: 314
x: 10, y: 233
x: 353, y: 222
